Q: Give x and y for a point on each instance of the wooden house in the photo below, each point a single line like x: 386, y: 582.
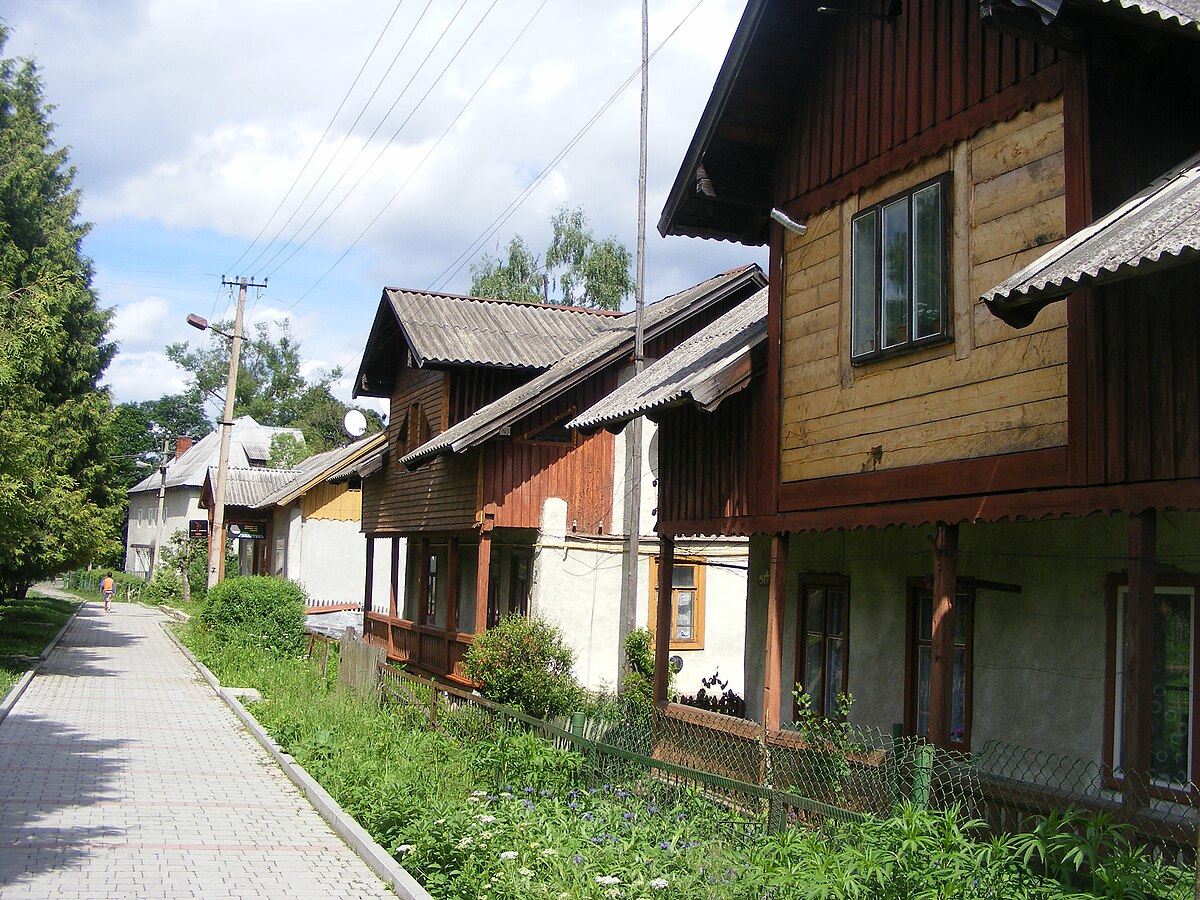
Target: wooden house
x: 487, y: 504
x: 969, y: 463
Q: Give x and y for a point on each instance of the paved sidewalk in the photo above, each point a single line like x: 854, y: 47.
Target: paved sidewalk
x: 123, y: 775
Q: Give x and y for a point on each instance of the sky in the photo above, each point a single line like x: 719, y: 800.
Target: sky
x: 333, y: 148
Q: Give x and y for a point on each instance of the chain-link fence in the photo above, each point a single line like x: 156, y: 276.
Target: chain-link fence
x: 820, y: 770
x: 128, y: 587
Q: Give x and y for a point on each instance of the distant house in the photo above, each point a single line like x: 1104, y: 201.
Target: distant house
x: 969, y: 465
x: 303, y: 523
x: 505, y: 510
x: 250, y: 447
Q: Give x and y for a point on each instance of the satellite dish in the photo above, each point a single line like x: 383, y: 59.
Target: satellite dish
x: 355, y: 423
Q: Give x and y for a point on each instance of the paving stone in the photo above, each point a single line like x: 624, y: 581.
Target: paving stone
x: 123, y: 774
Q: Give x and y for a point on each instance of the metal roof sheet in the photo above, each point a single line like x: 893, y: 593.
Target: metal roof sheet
x: 319, y: 467
x: 247, y: 487
x: 1185, y: 13
x: 1157, y: 228
x: 705, y: 369
x: 610, y: 344
x: 246, y: 442
x: 476, y: 331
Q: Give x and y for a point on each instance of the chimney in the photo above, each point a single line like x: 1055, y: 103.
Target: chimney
x: 183, y: 444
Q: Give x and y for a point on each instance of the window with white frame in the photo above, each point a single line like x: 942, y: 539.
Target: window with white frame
x: 898, y: 273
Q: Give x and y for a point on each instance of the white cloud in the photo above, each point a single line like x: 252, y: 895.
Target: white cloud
x: 143, y: 376
x: 137, y: 325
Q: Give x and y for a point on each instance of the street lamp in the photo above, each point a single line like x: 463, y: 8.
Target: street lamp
x: 216, y: 537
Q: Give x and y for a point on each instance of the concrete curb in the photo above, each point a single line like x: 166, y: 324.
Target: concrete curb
x: 375, y: 856
x: 23, y: 682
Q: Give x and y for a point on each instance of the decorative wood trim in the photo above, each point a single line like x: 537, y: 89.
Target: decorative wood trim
x: 990, y: 474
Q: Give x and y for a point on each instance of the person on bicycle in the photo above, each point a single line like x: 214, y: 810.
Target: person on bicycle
x: 107, y: 586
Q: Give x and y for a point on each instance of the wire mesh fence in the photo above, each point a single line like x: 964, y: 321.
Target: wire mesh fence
x: 128, y: 587
x: 820, y: 771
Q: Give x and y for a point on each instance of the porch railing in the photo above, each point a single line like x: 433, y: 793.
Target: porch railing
x: 425, y: 647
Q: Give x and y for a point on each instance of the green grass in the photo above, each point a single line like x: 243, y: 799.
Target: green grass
x: 26, y: 626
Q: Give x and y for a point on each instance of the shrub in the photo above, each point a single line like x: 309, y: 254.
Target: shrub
x: 638, y: 688
x: 257, y: 610
x: 524, y: 663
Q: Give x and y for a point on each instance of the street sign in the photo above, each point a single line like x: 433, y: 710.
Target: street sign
x: 198, y: 528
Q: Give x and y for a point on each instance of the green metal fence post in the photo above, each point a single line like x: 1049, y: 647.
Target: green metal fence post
x: 922, y: 776
x: 897, y: 765
x: 577, y: 722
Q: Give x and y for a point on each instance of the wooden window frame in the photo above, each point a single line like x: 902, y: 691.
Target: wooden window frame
x: 841, y: 582
x: 912, y: 648
x: 945, y: 335
x: 1113, y: 777
x: 531, y: 436
x: 699, y: 564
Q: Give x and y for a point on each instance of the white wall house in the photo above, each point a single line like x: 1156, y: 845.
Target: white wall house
x: 250, y: 446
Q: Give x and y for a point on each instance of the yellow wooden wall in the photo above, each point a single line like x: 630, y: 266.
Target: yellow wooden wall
x: 332, y: 501
x: 994, y: 389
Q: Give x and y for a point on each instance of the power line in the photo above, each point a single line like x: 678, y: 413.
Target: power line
x: 366, y: 143
x: 486, y: 235
x: 428, y: 153
x: 395, y: 134
x: 324, y: 134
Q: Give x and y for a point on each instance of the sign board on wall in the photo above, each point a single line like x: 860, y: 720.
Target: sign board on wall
x: 253, y: 532
x: 198, y: 528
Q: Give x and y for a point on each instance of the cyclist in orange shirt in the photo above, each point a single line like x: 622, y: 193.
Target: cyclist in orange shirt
x: 107, y: 586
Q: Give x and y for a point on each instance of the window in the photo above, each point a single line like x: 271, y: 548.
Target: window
x: 1171, y: 682
x: 920, y: 667
x: 823, y: 641
x: 898, y: 273
x: 687, y: 602
x: 141, y: 515
x: 431, y: 589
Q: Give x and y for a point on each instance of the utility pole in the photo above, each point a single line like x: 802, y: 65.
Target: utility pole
x: 633, y: 431
x: 216, y: 538
x: 162, y: 495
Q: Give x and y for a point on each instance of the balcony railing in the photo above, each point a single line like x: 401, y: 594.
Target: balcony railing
x: 427, y: 648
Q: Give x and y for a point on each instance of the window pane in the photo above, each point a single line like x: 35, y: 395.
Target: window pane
x: 1171, y: 687
x: 833, y: 669
x: 683, y: 576
x: 924, y: 657
x: 837, y: 612
x: 684, y: 622
x: 895, y: 300
x: 958, y: 691
x: 813, y: 683
x: 927, y: 260
x: 925, y: 625
x: 864, y: 280
x: 814, y: 609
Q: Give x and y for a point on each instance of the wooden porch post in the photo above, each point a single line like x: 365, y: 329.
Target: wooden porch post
x: 393, y: 595
x: 662, y: 619
x: 452, y: 586
x: 482, y: 576
x: 369, y: 585
x: 423, y: 582
x: 1139, y: 657
x: 941, y: 674
x: 773, y: 673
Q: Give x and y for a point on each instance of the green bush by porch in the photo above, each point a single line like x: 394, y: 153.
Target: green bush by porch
x: 259, y: 611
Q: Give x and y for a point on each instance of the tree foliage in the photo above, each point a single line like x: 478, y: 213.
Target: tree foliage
x: 59, y: 506
x: 271, y: 386
x: 584, y: 271
x: 137, y: 431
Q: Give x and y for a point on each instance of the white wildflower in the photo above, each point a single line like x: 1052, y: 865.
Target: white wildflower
x: 486, y: 820
x: 472, y: 799
x: 607, y: 879
x: 405, y: 848
x: 465, y: 842
x: 525, y: 872
x: 549, y: 851
x: 509, y: 854
x: 478, y: 793
x: 659, y: 884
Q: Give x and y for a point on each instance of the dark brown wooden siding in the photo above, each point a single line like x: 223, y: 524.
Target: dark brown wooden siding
x: 1143, y: 412
x: 519, y: 474
x: 471, y: 389
x: 706, y: 462
x: 883, y: 94
x: 440, y: 495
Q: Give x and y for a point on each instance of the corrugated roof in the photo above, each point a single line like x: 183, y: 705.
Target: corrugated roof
x: 1185, y: 13
x: 247, y: 487
x: 1158, y: 228
x: 320, y: 467
x: 610, y: 344
x: 709, y: 366
x: 474, y: 331
x: 367, y: 465
x: 248, y: 440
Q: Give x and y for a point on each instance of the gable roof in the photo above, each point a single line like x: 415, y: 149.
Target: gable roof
x: 1156, y: 229
x: 449, y: 330
x: 322, y: 467
x: 613, y: 343
x: 708, y: 367
x: 757, y: 92
x: 245, y: 487
x: 248, y: 441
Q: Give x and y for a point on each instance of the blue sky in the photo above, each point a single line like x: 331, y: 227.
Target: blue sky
x: 188, y: 121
